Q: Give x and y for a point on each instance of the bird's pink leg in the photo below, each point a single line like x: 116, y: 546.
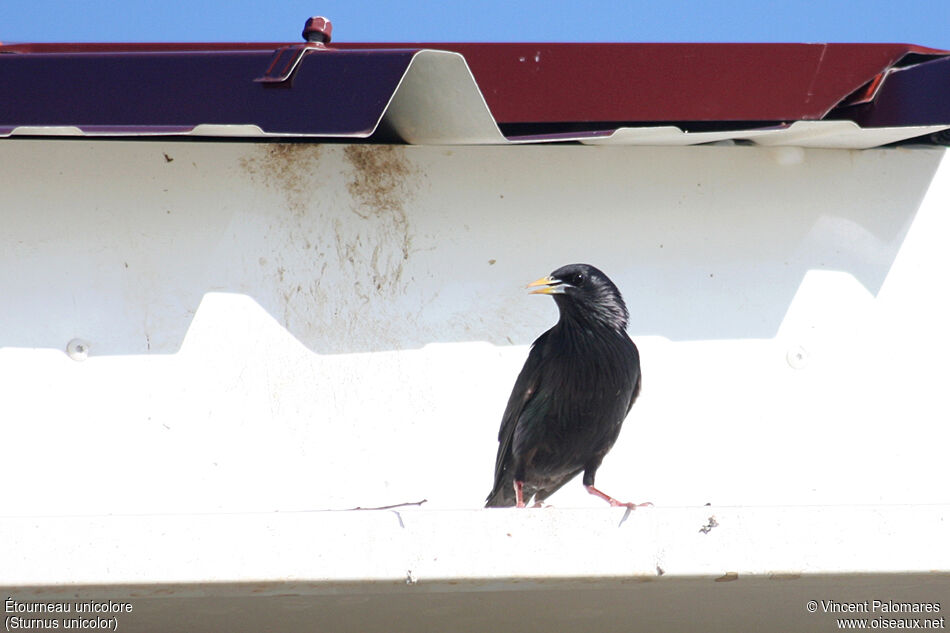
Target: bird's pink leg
x: 613, y: 502
x: 519, y: 493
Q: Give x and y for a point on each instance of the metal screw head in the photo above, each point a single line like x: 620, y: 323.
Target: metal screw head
x: 318, y: 29
x: 77, y: 349
x: 797, y: 357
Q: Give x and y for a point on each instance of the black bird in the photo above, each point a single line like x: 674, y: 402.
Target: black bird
x: 572, y: 395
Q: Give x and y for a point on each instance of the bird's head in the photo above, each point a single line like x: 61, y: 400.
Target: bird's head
x: 583, y: 292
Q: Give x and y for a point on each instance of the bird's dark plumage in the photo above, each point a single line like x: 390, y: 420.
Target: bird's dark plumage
x: 573, y: 393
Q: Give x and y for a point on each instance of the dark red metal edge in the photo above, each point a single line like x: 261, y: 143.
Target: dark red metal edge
x: 669, y: 82
x: 139, y: 47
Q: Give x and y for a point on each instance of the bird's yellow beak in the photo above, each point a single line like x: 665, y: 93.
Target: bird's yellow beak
x: 548, y: 286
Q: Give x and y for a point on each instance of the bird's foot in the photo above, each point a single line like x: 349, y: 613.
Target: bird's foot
x: 613, y: 502
x: 630, y: 506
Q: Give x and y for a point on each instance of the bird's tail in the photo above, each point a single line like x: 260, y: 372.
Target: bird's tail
x: 501, y: 496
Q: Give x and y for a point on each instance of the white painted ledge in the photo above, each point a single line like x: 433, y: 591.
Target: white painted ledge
x: 718, y: 568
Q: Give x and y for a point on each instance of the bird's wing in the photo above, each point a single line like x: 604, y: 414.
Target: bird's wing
x: 636, y: 365
x: 636, y: 390
x: 521, y: 394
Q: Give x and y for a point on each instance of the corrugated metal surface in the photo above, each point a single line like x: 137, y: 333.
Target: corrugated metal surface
x: 172, y: 92
x: 279, y: 329
x: 482, y: 93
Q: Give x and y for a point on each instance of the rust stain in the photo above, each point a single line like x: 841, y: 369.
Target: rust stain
x: 380, y: 184
x: 287, y: 167
x: 729, y: 576
x: 293, y: 172
x: 337, y: 236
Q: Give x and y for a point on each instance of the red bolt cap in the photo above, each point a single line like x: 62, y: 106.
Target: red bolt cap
x: 317, y: 29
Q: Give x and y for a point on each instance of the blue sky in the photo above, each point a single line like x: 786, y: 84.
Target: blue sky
x: 922, y: 22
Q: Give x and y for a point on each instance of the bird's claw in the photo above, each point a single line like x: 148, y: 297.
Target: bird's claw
x: 613, y: 502
x: 630, y: 506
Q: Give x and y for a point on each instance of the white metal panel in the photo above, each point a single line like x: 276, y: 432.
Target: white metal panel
x: 817, y: 134
x: 307, y: 326
x: 670, y: 569
x: 438, y: 102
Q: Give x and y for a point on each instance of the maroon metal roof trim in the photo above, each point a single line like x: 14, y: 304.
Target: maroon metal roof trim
x: 574, y: 89
x: 917, y: 95
x: 338, y: 93
x: 670, y: 82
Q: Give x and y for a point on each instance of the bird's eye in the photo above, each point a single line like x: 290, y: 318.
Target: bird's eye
x: 578, y: 279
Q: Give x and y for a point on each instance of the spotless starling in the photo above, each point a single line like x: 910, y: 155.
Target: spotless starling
x: 572, y: 395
